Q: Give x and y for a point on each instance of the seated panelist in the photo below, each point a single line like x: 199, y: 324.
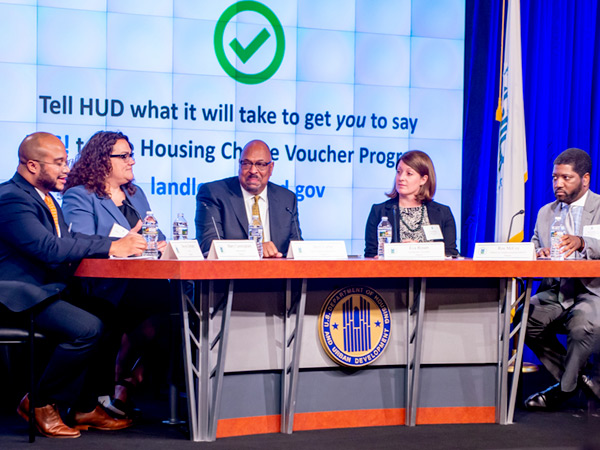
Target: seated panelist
x: 224, y: 208
x: 100, y: 198
x: 38, y: 255
x: 99, y: 193
x: 567, y: 305
x: 410, y: 207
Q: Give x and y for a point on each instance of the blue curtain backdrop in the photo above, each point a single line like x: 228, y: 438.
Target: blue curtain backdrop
x: 561, y: 90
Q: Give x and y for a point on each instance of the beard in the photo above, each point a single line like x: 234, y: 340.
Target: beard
x: 47, y: 181
x: 569, y: 198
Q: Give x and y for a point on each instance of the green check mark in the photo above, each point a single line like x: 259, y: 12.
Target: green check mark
x: 246, y: 53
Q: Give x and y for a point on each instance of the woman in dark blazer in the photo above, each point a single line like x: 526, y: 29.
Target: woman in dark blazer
x: 411, y: 206
x: 100, y: 198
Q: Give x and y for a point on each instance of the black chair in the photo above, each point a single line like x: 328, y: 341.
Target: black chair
x: 24, y: 335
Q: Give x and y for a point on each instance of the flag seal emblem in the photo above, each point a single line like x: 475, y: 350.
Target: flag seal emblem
x: 354, y: 326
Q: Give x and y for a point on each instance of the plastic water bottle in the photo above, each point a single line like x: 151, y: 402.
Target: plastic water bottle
x: 557, y: 231
x: 255, y: 233
x: 150, y: 233
x: 180, y: 228
x: 384, y: 235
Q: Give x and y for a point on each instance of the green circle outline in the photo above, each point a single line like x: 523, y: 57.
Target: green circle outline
x: 228, y: 14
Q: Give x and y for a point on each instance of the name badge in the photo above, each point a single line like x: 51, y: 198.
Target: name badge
x: 117, y: 231
x: 317, y: 250
x: 433, y: 232
x: 414, y: 251
x: 592, y: 231
x: 233, y: 249
x: 185, y: 250
x: 504, y: 251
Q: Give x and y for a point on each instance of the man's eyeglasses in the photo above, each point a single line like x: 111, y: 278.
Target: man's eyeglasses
x: 124, y: 156
x: 61, y: 164
x: 260, y: 165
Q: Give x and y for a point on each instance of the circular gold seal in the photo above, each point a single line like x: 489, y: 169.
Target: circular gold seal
x: 354, y: 326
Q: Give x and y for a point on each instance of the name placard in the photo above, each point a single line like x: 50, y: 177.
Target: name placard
x: 317, y: 250
x: 414, y: 251
x: 504, y: 251
x: 185, y: 250
x: 233, y: 249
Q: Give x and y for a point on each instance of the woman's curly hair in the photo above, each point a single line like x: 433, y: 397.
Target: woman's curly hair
x: 93, y: 164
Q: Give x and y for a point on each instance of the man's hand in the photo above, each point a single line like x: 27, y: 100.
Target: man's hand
x: 130, y: 244
x: 270, y: 251
x: 569, y: 244
x: 161, y: 246
x: 543, y: 252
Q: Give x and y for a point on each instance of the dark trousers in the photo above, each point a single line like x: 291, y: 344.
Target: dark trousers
x: 141, y: 313
x: 580, y: 322
x: 78, y: 334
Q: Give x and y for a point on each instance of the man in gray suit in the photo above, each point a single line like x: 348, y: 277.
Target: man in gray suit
x: 569, y: 305
x: 224, y: 208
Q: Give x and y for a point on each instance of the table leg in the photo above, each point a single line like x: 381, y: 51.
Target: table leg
x: 507, y: 293
x: 416, y: 309
x: 509, y: 299
x: 206, y: 329
x: 517, y: 358
x: 291, y: 354
x: 190, y: 318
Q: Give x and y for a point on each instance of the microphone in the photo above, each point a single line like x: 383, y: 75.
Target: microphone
x: 395, y: 237
x: 213, y: 221
x: 511, y: 222
x: 295, y: 223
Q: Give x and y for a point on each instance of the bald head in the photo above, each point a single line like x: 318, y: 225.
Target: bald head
x: 35, y: 146
x: 256, y: 167
x: 43, y: 161
x: 257, y: 147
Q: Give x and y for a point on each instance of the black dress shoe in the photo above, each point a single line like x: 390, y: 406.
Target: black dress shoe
x: 590, y: 387
x: 548, y: 400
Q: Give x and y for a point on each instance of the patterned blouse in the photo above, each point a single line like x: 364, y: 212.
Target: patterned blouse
x: 411, y: 223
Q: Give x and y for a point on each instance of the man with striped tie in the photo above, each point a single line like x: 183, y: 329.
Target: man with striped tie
x: 224, y: 208
x: 39, y: 253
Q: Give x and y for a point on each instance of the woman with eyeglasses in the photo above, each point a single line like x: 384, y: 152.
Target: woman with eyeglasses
x: 414, y: 216
x: 100, y: 198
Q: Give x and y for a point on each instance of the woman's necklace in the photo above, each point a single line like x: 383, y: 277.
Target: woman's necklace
x: 419, y: 223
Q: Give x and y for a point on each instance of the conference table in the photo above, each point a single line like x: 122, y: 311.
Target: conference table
x: 206, y: 316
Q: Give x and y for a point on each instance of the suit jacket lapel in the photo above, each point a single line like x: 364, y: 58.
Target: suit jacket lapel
x: 589, y: 209
x: 30, y: 189
x: 276, y: 228
x: 237, y: 200
x: 137, y: 203
x: 433, y: 213
x: 114, y: 212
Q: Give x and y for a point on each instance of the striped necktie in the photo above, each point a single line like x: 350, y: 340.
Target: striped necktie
x: 50, y: 203
x: 256, y: 211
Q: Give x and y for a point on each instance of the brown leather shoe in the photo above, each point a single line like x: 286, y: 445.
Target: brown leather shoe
x: 47, y: 420
x: 98, y: 419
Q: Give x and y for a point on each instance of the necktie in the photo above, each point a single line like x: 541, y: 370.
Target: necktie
x: 255, y: 208
x: 256, y: 211
x: 569, y: 224
x: 566, y: 293
x: 50, y: 203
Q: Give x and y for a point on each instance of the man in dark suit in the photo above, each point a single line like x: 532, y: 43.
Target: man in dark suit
x: 224, y: 207
x: 567, y: 305
x: 39, y: 254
